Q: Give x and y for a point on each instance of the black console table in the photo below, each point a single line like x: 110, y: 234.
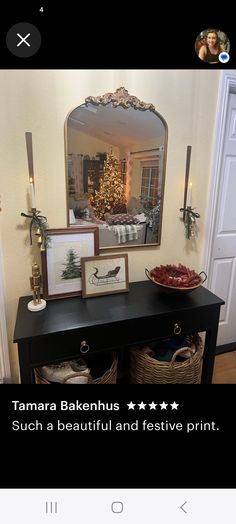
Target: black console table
x: 71, y: 326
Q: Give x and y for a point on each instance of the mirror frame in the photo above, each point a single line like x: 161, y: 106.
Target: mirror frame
x: 121, y: 97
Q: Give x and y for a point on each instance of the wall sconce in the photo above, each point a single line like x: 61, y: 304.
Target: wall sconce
x: 189, y: 216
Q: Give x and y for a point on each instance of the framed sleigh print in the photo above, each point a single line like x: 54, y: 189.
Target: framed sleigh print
x: 104, y: 275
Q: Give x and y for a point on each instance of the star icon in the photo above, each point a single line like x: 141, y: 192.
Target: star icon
x: 163, y: 405
x: 131, y: 405
x: 152, y: 405
x: 142, y: 405
x: 174, y: 405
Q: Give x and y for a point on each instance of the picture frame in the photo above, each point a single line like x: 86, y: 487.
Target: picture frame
x: 61, y: 260
x: 104, y: 275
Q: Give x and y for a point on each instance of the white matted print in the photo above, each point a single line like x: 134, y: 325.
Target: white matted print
x: 104, y: 275
x: 61, y: 261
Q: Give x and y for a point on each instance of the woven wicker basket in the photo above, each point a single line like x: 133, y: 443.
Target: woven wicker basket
x: 109, y: 377
x: 147, y: 370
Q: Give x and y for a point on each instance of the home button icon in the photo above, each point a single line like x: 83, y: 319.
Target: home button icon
x: 117, y: 507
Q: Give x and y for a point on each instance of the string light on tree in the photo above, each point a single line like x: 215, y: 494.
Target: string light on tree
x: 112, y: 189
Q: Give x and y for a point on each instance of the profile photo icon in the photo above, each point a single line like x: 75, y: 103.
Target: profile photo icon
x: 212, y: 46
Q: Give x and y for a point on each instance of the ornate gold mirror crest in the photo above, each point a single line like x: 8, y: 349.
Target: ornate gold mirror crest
x: 116, y: 150
x: 121, y: 98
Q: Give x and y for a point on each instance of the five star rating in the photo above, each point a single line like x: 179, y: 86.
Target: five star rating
x: 152, y: 406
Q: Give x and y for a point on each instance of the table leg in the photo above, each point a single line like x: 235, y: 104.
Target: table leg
x: 209, y: 354
x: 26, y: 372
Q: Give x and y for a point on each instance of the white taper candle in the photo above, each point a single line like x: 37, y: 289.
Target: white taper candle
x: 32, y: 194
x: 190, y: 194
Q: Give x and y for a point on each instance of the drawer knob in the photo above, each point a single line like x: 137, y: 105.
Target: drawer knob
x: 84, y: 347
x: 177, y: 329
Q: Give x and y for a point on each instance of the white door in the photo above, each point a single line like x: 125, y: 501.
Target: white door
x: 222, y: 267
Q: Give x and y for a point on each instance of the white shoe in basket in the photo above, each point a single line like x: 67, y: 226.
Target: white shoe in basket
x: 59, y: 372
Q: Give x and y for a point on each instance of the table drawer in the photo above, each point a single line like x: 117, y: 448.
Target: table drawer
x: 113, y: 336
x: 153, y: 328
x: 74, y: 344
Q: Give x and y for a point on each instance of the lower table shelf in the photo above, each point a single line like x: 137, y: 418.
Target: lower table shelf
x: 100, y: 369
x: 170, y: 361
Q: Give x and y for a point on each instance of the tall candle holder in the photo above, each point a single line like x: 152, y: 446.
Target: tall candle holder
x: 189, y: 215
x: 187, y: 169
x: 37, y: 222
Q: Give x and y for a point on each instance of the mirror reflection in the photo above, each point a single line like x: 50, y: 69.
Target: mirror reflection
x: 115, y: 169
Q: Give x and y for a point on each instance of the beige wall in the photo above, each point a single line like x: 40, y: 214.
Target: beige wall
x: 80, y: 143
x: 39, y: 101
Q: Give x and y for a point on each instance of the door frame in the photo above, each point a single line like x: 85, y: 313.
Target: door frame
x: 5, y: 371
x: 227, y: 86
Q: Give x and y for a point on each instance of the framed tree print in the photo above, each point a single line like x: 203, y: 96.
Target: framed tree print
x: 61, y: 261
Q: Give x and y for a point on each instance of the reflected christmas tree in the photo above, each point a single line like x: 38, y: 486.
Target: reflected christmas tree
x: 112, y: 190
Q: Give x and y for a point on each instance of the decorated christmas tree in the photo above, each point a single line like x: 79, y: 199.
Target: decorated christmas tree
x: 112, y: 189
x: 73, y: 268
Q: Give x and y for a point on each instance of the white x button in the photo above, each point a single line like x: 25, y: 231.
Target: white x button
x: 23, y: 40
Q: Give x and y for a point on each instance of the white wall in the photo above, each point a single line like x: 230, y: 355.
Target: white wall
x: 39, y: 101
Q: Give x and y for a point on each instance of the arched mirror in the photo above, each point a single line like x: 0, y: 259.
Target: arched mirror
x: 115, y: 169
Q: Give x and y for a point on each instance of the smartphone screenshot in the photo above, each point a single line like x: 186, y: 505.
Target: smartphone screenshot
x: 117, y: 267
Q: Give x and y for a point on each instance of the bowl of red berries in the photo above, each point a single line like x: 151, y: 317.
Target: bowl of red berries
x: 175, y: 280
